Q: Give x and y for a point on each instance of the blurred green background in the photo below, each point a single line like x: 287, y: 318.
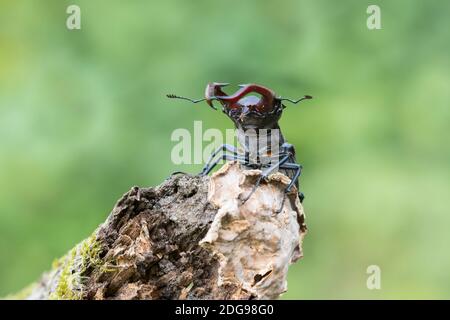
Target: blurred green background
x: 83, y: 117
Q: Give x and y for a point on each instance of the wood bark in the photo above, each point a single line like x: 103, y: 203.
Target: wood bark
x: 189, y: 238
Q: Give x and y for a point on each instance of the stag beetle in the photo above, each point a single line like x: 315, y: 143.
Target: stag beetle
x: 253, y: 116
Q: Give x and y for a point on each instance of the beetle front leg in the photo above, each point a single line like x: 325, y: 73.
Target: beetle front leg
x: 229, y: 157
x: 264, y: 175
x: 298, y: 170
x: 225, y: 147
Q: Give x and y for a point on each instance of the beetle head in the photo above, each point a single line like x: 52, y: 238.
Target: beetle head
x: 251, y: 107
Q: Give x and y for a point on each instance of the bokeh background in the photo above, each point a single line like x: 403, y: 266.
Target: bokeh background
x: 83, y: 117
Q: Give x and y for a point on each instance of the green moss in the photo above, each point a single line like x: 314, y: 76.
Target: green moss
x: 89, y: 254
x: 70, y: 270
x: 67, y: 280
x: 73, y: 266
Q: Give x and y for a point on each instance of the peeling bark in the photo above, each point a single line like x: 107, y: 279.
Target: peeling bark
x: 188, y: 238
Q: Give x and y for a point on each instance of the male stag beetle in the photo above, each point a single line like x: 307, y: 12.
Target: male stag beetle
x: 255, y: 118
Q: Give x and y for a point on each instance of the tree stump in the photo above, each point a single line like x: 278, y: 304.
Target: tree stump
x: 188, y: 238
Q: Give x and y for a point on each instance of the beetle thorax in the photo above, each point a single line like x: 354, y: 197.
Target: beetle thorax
x: 260, y: 145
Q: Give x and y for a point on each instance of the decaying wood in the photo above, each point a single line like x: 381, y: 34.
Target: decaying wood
x: 189, y: 238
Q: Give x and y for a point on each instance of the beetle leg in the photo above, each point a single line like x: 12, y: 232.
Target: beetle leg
x: 222, y: 148
x: 264, y: 175
x: 298, y: 170
x: 269, y: 170
x: 175, y: 173
x: 258, y: 182
x: 228, y: 157
x: 282, y: 203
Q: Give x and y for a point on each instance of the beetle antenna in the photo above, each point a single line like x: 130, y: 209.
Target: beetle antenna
x: 172, y: 96
x: 296, y: 101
